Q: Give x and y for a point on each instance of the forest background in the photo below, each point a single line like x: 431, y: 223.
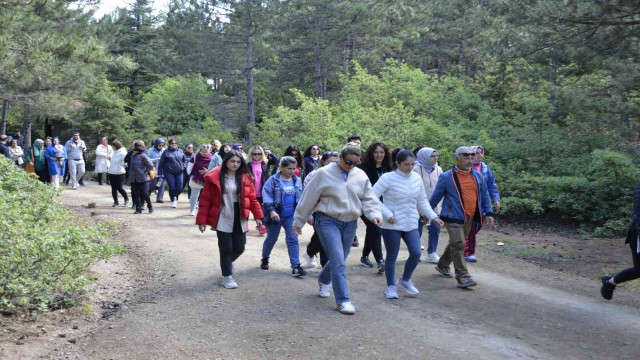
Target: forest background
x: 549, y: 87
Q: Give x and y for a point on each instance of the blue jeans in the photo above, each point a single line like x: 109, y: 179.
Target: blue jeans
x: 175, y: 184
x: 336, y: 237
x: 434, y: 235
x: 273, y: 231
x: 392, y: 244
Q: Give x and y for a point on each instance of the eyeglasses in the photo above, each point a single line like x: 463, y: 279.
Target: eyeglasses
x: 349, y: 162
x: 239, y: 147
x: 189, y: 147
x: 331, y: 153
x: 256, y: 154
x: 467, y: 154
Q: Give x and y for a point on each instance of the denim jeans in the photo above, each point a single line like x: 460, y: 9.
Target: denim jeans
x: 434, y: 235
x: 392, y: 244
x: 273, y: 231
x: 175, y: 184
x: 336, y: 237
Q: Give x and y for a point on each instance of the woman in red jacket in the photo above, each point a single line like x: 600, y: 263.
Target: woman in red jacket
x: 225, y: 202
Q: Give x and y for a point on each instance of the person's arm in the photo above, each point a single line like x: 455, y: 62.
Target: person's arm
x: 438, y: 192
x: 101, y: 151
x: 267, y: 195
x: 424, y: 208
x: 492, y: 186
x: 254, y: 205
x: 371, y: 206
x: 308, y: 201
x: 69, y: 145
x: 161, y: 164
x: 204, y: 203
x: 379, y: 189
x: 147, y: 162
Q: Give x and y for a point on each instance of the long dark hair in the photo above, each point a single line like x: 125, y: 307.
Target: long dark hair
x: 242, y: 170
x: 369, y: 162
x: 298, y: 157
x: 307, y: 151
x: 221, y: 151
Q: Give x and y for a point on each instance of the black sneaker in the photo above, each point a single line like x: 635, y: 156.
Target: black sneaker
x: 264, y: 264
x: 364, y: 260
x: 150, y: 209
x: 381, y: 267
x: 138, y: 211
x: 444, y: 272
x: 160, y: 201
x: 355, y: 242
x: 607, y: 288
x: 298, y: 271
x: 126, y: 203
x: 466, y: 282
x: 115, y: 205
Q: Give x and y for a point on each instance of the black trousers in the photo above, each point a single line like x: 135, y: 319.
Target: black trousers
x: 117, y: 186
x: 231, y: 245
x: 100, y: 178
x: 140, y: 194
x: 372, y: 240
x: 315, y: 246
x: 633, y: 272
x: 43, y: 175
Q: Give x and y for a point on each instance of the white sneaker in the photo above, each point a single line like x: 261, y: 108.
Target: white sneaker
x: 432, y: 258
x: 325, y: 290
x: 391, y: 292
x: 311, y: 262
x: 347, y: 308
x: 228, y: 282
x: 174, y: 204
x: 408, y: 287
x: 192, y: 213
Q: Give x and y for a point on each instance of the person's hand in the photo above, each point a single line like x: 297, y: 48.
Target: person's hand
x: 202, y: 171
x: 30, y: 163
x: 392, y: 220
x: 497, y: 204
x: 258, y: 223
x: 274, y: 216
x: 202, y: 228
x: 438, y: 222
x: 297, y: 231
x: 377, y: 221
x: 311, y: 220
x: 490, y: 221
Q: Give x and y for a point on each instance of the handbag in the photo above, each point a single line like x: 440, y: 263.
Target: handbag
x: 153, y: 173
x: 30, y: 168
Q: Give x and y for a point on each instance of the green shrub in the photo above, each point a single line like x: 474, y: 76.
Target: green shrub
x: 45, y: 250
x: 515, y: 207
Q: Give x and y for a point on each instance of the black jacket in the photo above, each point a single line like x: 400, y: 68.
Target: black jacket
x: 372, y: 174
x: 4, y: 149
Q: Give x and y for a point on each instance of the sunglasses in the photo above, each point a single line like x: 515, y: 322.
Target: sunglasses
x: 256, y: 154
x: 467, y: 154
x: 331, y: 153
x: 349, y: 162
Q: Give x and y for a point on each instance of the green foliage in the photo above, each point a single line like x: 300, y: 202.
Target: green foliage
x: 45, y: 250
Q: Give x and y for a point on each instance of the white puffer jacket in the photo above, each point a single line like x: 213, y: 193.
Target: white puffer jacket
x: 116, y: 166
x: 404, y: 198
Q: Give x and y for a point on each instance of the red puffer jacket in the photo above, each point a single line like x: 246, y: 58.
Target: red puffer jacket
x: 211, y: 199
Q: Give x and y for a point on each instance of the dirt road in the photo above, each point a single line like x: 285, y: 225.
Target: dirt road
x: 178, y: 310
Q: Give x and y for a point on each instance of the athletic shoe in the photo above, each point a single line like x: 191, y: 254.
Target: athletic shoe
x: 325, y: 290
x: 174, y: 204
x: 262, y: 230
x: 355, y: 242
x: 264, y: 264
x: 150, y: 209
x: 421, y: 247
x: 143, y: 208
x: 192, y: 213
x: 347, y: 308
x: 298, y: 271
x: 408, y: 287
x: 126, y: 203
x: 364, y: 260
x: 115, y: 205
x: 607, y: 288
x: 311, y: 262
x: 381, y: 267
x: 74, y: 188
x: 432, y: 258
x: 138, y: 211
x: 444, y: 272
x: 471, y: 258
x: 466, y: 282
x: 228, y: 282
x: 160, y: 201
x: 391, y: 292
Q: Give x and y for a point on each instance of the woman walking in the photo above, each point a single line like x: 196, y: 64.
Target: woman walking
x: 226, y: 200
x: 429, y: 170
x: 197, y: 168
x: 314, y: 247
x: 404, y: 201
x: 172, y: 164
x: 311, y: 158
x: 39, y: 161
x: 260, y: 174
x: 116, y: 173
x: 216, y: 160
x: 282, y: 193
x: 609, y: 282
x: 376, y: 161
x: 56, y: 156
x: 338, y: 194
x: 188, y: 154
x: 139, y: 169
x: 104, y: 151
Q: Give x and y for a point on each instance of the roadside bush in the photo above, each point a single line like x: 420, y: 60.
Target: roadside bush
x: 45, y: 251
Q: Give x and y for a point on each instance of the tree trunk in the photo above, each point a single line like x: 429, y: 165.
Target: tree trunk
x: 5, y: 110
x: 251, y: 112
x: 346, y: 55
x: 26, y: 127
x: 554, y: 96
x: 317, y: 62
x: 461, y: 47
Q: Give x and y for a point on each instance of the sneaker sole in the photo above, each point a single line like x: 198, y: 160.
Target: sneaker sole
x: 230, y: 287
x: 324, y: 296
x: 445, y: 274
x: 346, y: 312
x: 367, y: 266
x: 461, y: 286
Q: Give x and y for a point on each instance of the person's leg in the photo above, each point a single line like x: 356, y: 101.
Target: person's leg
x: 412, y: 239
x: 80, y: 170
x: 99, y: 178
x: 366, y: 249
x: 153, y: 183
x: 376, y: 243
x: 348, y: 233
x: 114, y: 190
x: 55, y: 180
x: 392, y: 244
x: 273, y: 231
x: 193, y: 200
x: 225, y: 247
x: 633, y: 272
x: 456, y: 245
x: 144, y: 195
x: 329, y: 232
x: 293, y: 247
x: 179, y: 186
x: 470, y: 246
x: 239, y: 242
x: 135, y: 195
x: 119, y: 179
x: 171, y: 180
x: 434, y: 236
x: 72, y: 172
x: 314, y: 245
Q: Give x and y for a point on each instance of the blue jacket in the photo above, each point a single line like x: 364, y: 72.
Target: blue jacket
x: 448, y: 188
x: 172, y: 161
x: 490, y: 180
x: 272, y: 195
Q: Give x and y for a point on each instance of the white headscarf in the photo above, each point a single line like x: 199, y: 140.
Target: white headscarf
x: 424, y: 158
